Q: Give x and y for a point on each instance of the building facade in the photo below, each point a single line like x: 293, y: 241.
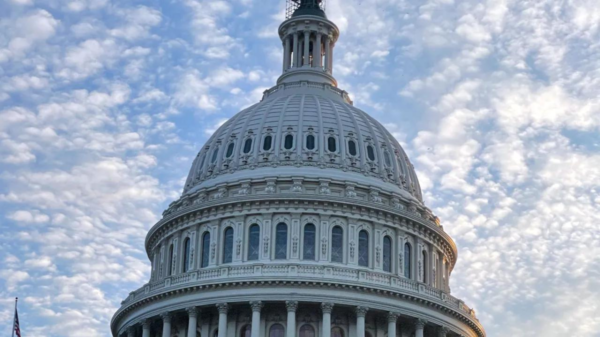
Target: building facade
x: 301, y: 217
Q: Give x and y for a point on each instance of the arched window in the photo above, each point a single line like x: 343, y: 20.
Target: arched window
x: 336, y: 331
x: 205, y: 249
x: 331, y: 144
x: 248, y: 145
x: 186, y: 255
x: 288, y: 142
x: 246, y: 331
x: 387, y: 254
x: 386, y: 157
x: 352, y: 148
x: 307, y: 331
x: 309, y: 242
x: 276, y: 330
x: 214, y: 155
x: 370, y: 153
x: 281, y: 241
x: 337, y: 244
x: 363, y: 248
x: 170, y: 262
x: 229, y: 149
x: 228, y: 245
x: 407, y: 260
x: 253, y: 242
x: 267, y: 143
x: 424, y: 269
x: 310, y: 142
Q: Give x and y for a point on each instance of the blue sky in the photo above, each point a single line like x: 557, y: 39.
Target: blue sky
x: 103, y: 106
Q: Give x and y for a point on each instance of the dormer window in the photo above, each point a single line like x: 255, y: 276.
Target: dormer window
x: 331, y: 144
x: 248, y: 145
x: 352, y: 148
x: 370, y: 153
x: 310, y: 142
x: 288, y: 142
x: 267, y: 143
x: 230, y: 150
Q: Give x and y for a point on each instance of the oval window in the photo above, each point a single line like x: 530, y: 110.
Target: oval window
x: 248, y: 145
x: 214, y: 156
x: 267, y: 143
x: 352, y: 147
x: 370, y: 153
x: 229, y: 150
x: 310, y: 142
x: 288, y: 142
x: 331, y: 145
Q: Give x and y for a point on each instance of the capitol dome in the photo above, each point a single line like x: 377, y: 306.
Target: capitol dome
x: 301, y: 216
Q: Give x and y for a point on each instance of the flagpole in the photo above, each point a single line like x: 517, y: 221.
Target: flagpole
x: 13, y: 326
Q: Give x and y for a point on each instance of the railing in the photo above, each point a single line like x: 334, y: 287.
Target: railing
x: 300, y: 272
x: 314, y: 85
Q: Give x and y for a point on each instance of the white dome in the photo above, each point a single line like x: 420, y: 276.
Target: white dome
x: 326, y: 137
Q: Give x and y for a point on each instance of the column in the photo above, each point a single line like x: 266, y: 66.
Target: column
x: 223, y: 308
x: 256, y: 308
x: 286, y: 53
x: 420, y: 327
x: 392, y: 319
x: 131, y: 332
x: 331, y: 58
x: 292, y: 306
x: 326, y: 308
x: 317, y: 53
x: 328, y: 54
x: 296, y: 50
x: 361, y: 312
x: 306, y: 62
x: 166, y: 317
x: 146, y: 328
x: 192, y: 321
x: 442, y: 331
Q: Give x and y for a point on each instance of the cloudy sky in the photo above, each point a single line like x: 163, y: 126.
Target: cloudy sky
x: 104, y: 104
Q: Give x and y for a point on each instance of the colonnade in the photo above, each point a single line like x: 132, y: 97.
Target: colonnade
x: 416, y: 325
x: 297, y: 51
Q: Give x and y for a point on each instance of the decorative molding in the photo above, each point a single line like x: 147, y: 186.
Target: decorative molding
x: 291, y: 306
x: 326, y: 307
x: 256, y: 306
x: 361, y: 311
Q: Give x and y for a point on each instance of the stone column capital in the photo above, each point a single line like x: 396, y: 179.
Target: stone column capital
x: 256, y: 306
x: 393, y: 316
x: 166, y: 317
x: 420, y: 323
x: 443, y: 331
x: 146, y: 323
x: 326, y: 307
x: 291, y: 306
x: 361, y: 311
x: 192, y: 311
x: 222, y: 307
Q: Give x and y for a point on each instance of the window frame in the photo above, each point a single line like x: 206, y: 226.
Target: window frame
x: 366, y: 250
x: 314, y: 246
x: 205, y: 250
x: 227, y: 246
x: 250, y: 243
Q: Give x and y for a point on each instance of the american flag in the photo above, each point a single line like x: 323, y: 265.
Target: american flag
x: 16, y: 328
